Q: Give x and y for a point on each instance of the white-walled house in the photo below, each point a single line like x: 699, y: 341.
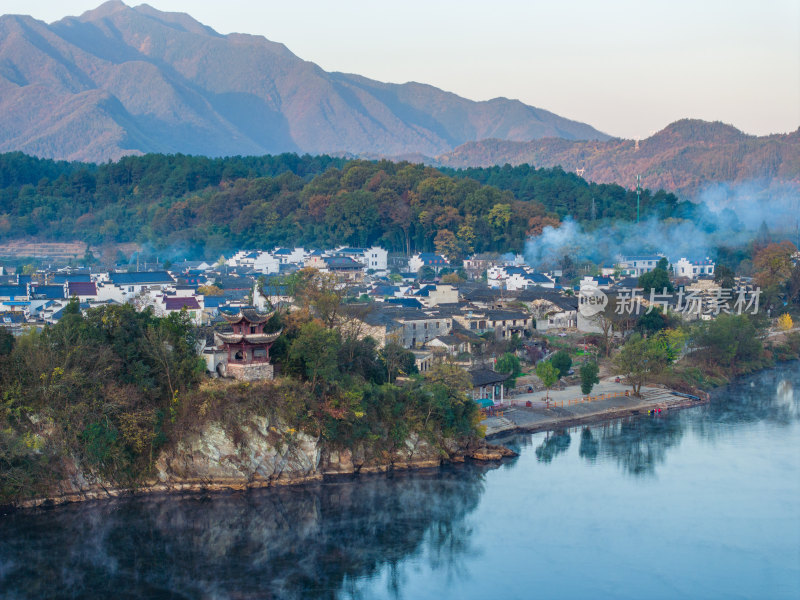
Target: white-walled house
x: 374, y: 258
x: 84, y: 291
x: 636, y: 266
x: 266, y: 263
x: 242, y: 258
x: 693, y: 268
x: 601, y: 283
x: 290, y: 256
x: 434, y: 295
x: 166, y: 305
x: 258, y: 260
x: 427, y: 259
x: 524, y: 281
x: 516, y: 278
x: 133, y: 283
x: 107, y: 291
x: 607, y: 270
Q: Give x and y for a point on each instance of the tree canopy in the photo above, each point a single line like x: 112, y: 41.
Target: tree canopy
x: 208, y: 206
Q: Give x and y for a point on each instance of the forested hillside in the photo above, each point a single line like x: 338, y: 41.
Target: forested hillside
x: 208, y: 206
x: 683, y: 158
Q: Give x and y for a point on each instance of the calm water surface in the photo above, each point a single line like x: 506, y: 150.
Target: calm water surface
x: 701, y: 503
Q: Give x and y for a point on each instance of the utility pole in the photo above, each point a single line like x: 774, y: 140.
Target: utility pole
x: 638, y: 195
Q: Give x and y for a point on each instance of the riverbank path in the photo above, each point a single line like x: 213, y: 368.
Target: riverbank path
x: 568, y: 407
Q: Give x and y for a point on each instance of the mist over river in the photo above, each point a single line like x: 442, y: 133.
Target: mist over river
x: 699, y: 503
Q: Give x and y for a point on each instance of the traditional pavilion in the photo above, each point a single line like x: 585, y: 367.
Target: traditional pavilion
x: 248, y: 346
x: 488, y: 384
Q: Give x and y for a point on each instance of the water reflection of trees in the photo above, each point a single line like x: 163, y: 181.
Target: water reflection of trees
x: 589, y: 445
x: 554, y: 444
x: 304, y: 542
x: 638, y: 444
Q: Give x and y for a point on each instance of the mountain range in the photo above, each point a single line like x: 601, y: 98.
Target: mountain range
x: 120, y: 80
x: 684, y: 157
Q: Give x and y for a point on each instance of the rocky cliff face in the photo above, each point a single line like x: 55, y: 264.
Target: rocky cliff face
x: 263, y: 454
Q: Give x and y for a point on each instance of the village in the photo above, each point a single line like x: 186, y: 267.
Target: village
x: 470, y: 315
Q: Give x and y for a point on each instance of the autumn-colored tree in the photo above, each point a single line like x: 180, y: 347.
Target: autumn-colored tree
x: 452, y: 278
x: 499, y: 216
x: 450, y: 376
x: 447, y: 245
x: 466, y: 234
x: 785, y: 322
x: 321, y: 293
x: 773, y: 264
x: 209, y: 290
x: 537, y: 224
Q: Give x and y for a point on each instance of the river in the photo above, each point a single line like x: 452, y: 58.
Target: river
x: 699, y: 503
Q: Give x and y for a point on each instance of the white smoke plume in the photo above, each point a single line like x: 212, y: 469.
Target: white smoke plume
x: 725, y: 215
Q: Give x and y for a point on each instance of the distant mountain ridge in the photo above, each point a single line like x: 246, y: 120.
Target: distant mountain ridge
x: 119, y: 80
x: 684, y: 157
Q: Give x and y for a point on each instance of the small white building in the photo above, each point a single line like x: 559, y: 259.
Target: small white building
x: 133, y: 283
x: 258, y: 260
x: 427, y: 259
x: 636, y: 266
x: 84, y: 291
x: 165, y: 305
x: 515, y: 278
x: 694, y: 268
x: 438, y: 294
x: 266, y: 263
x: 601, y: 283
x: 288, y: 256
x: 108, y: 292
x: 374, y: 258
x: 607, y: 270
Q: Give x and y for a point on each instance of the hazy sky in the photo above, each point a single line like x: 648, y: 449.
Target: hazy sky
x: 626, y: 67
